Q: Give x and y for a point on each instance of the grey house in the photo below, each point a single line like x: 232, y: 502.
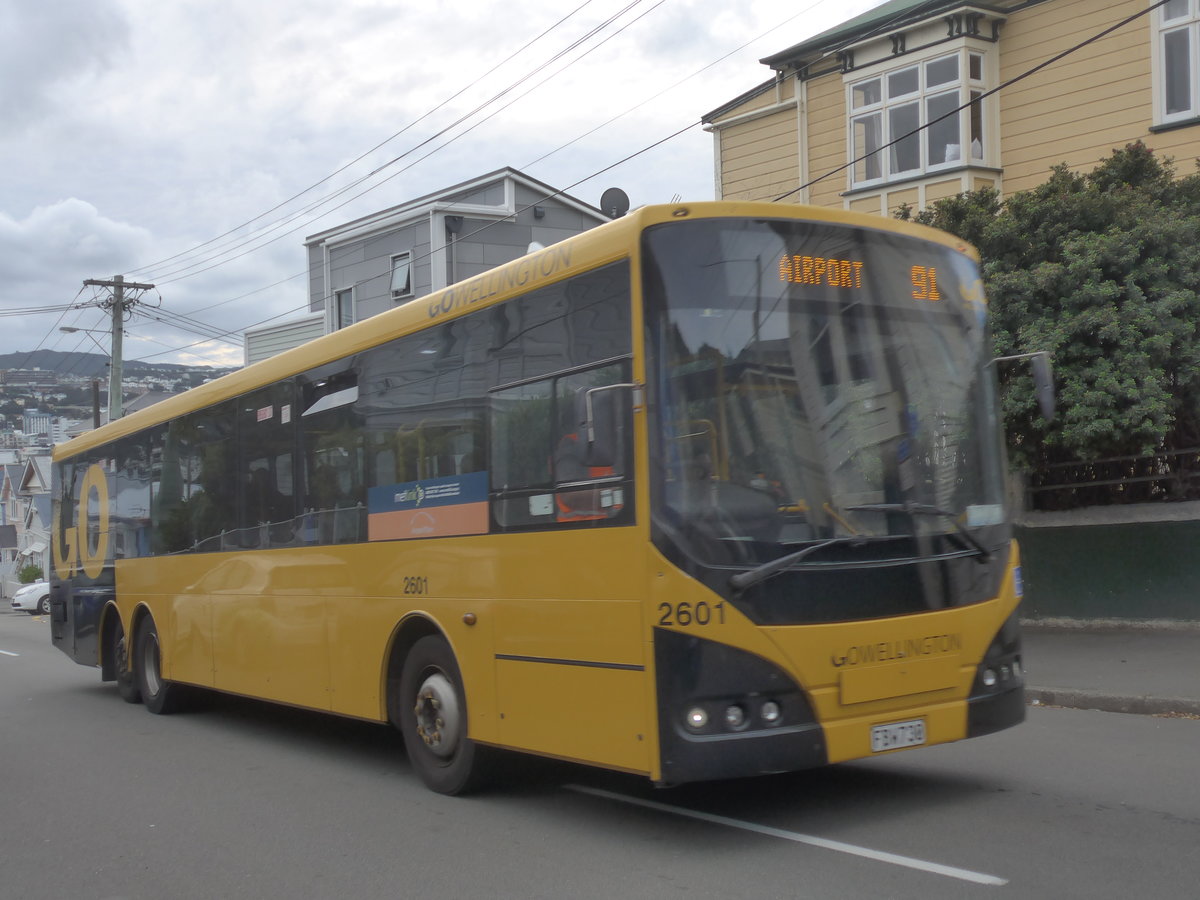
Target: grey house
x: 377, y: 262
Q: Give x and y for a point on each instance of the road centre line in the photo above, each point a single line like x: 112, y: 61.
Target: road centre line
x: 812, y: 840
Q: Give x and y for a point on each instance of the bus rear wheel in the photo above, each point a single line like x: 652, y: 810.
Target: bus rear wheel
x: 127, y: 679
x: 431, y: 712
x: 160, y: 696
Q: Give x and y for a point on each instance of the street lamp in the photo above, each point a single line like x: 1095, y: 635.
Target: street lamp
x: 67, y: 329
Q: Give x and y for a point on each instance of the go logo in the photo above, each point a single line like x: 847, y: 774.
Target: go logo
x: 79, y: 546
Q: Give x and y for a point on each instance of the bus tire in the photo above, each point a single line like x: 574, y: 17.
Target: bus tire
x: 127, y: 677
x: 431, y: 712
x: 160, y: 696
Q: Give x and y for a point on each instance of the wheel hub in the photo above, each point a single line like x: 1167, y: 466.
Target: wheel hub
x: 439, y: 723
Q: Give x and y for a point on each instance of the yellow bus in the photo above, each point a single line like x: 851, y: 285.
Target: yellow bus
x: 712, y: 490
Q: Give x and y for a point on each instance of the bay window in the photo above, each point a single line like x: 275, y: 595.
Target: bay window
x: 904, y: 122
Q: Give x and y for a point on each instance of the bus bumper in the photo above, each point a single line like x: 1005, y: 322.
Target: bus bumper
x: 725, y: 713
x: 995, y: 712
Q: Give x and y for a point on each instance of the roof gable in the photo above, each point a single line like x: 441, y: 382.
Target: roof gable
x: 419, y: 208
x: 877, y: 22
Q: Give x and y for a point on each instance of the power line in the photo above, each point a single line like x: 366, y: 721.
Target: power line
x: 179, y: 277
x: 655, y: 96
x: 36, y: 310
x: 364, y: 155
x: 287, y: 312
x: 702, y: 69
x: 483, y: 227
x: 718, y: 60
x: 178, y: 273
x: 181, y: 273
x: 65, y: 310
x: 507, y: 90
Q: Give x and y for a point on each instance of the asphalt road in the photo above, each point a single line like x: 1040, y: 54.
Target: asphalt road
x: 99, y: 799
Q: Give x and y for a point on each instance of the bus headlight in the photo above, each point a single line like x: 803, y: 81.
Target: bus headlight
x: 770, y: 712
x: 696, y: 718
x: 1001, y: 669
x: 735, y: 716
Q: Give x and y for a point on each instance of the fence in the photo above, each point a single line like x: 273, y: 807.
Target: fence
x: 1164, y: 477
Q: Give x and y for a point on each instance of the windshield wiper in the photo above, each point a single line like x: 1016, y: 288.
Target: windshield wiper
x: 925, y: 509
x: 743, y: 580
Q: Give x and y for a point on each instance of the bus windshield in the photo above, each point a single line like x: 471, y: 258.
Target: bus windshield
x: 822, y: 392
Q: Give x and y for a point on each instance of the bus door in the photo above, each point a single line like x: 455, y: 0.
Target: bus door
x: 570, y: 648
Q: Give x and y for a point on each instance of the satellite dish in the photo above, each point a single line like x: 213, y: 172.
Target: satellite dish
x: 614, y: 202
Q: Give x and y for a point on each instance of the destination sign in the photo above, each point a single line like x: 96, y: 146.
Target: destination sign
x: 831, y: 272
x: 924, y: 282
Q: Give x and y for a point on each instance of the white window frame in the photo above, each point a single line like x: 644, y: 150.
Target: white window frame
x: 889, y: 105
x: 1185, y: 20
x: 407, y: 290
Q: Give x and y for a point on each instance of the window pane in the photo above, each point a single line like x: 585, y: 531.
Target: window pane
x: 522, y: 446
x: 856, y: 328
x: 866, y: 94
x: 868, y: 138
x: 345, y: 308
x: 905, y: 81
x: 976, y: 65
x: 976, y: 125
x: 573, y: 459
x: 207, y: 456
x: 906, y: 155
x: 1175, y: 9
x: 1177, y: 69
x: 941, y: 71
x: 401, y: 283
x: 266, y: 434
x: 944, y: 143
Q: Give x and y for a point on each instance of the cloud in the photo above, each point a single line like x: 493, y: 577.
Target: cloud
x: 44, y: 47
x: 69, y: 236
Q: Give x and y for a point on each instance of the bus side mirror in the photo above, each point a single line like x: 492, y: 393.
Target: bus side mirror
x: 1043, y: 379
x: 606, y: 412
x: 1043, y: 384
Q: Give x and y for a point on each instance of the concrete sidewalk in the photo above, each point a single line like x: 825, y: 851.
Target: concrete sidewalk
x: 1151, y: 669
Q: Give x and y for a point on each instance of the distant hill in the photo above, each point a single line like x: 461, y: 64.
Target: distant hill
x: 94, y: 365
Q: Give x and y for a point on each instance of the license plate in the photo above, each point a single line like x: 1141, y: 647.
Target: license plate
x: 897, y: 735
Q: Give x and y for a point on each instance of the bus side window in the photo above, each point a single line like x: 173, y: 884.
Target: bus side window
x: 333, y: 458
x: 546, y: 467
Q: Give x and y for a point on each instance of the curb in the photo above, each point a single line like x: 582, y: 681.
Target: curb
x: 1137, y: 705
x: 1061, y: 624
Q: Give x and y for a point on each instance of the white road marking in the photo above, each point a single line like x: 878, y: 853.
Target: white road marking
x: 812, y: 840
x: 8, y: 653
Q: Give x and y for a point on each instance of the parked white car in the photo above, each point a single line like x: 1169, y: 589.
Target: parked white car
x: 33, y: 598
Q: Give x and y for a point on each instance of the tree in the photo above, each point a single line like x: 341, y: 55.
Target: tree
x: 1103, y: 270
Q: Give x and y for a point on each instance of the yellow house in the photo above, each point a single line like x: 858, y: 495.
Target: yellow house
x: 918, y: 100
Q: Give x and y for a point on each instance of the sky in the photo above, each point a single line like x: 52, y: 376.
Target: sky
x: 188, y: 144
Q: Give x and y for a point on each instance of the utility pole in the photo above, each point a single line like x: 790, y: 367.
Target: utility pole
x: 119, y: 305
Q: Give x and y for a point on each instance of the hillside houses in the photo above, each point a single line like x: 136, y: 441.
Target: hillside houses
x: 25, y: 516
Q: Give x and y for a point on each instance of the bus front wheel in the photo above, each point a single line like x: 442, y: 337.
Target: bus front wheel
x: 159, y: 695
x: 431, y: 712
